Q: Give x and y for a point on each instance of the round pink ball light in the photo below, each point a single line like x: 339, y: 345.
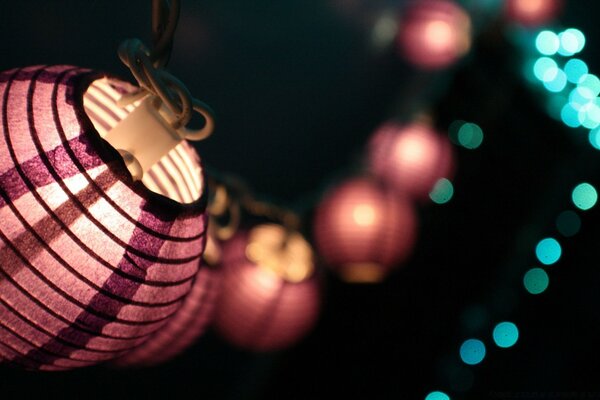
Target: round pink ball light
x: 533, y: 13
x: 270, y: 297
x: 434, y: 33
x: 362, y: 231
x: 410, y: 158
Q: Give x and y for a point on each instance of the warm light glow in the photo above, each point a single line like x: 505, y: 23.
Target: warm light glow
x: 259, y: 308
x: 183, y: 329
x: 362, y: 273
x: 284, y: 253
x: 530, y: 6
x: 363, y: 215
x: 533, y: 12
x: 176, y: 175
x: 93, y: 264
x: 363, y: 245
x: 410, y: 158
x: 439, y: 35
x: 434, y: 33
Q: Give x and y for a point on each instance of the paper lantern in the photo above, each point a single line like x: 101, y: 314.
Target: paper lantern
x: 183, y: 329
x: 434, y: 33
x: 410, y: 158
x: 532, y: 13
x: 92, y: 262
x: 269, y: 297
x: 362, y: 231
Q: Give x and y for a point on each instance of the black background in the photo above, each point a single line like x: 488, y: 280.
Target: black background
x: 297, y: 88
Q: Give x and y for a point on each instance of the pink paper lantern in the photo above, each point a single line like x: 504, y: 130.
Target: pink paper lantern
x: 533, y: 13
x: 183, y: 329
x: 410, y: 158
x: 270, y: 297
x: 362, y: 231
x: 434, y: 33
x: 92, y: 263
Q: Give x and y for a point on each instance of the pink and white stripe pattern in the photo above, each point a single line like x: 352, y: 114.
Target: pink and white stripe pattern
x: 91, y: 262
x: 186, y: 326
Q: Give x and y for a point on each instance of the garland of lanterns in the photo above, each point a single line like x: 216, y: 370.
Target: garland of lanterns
x: 87, y: 272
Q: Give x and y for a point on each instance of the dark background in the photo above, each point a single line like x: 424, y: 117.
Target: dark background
x: 298, y: 87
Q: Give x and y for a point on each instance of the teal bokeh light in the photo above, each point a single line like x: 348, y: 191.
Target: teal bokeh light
x: 570, y: 116
x: 557, y: 82
x: 568, y: 223
x: 536, y: 281
x: 548, y: 251
x: 470, y: 135
x: 545, y: 68
x: 547, y: 43
x: 571, y: 41
x: 472, y: 351
x: 577, y: 99
x: 594, y: 138
x: 588, y: 86
x: 442, y: 191
x: 505, y: 334
x: 437, y: 396
x: 584, y: 196
x: 575, y: 69
x: 589, y: 115
x: 579, y: 37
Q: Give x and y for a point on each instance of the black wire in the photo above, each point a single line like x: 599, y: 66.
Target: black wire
x: 165, y: 15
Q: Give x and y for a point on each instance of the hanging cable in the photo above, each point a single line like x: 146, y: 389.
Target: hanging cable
x: 147, y: 66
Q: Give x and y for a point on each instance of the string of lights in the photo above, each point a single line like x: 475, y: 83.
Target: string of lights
x: 576, y: 109
x: 120, y: 247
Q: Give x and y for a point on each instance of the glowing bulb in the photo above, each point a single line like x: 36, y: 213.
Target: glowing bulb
x: 410, y: 159
x: 363, y: 215
x: 532, y: 12
x: 434, y: 33
x: 439, y: 35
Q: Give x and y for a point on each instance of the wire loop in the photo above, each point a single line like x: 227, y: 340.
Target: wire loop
x: 148, y: 69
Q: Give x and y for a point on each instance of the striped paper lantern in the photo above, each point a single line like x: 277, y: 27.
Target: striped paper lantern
x: 272, y: 302
x: 362, y: 231
x: 434, y: 33
x: 92, y: 263
x: 184, y: 328
x: 410, y: 158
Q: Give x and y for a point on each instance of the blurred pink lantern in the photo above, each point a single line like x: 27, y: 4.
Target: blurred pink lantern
x: 92, y: 262
x: 410, y: 158
x: 270, y: 296
x: 434, y: 33
x: 183, y: 329
x: 363, y: 231
x: 533, y: 12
